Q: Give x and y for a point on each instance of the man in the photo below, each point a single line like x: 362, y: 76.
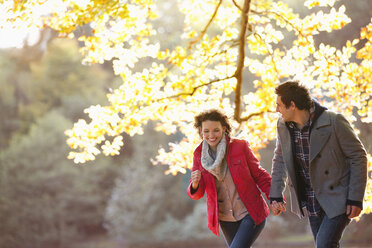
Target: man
x: 325, y: 164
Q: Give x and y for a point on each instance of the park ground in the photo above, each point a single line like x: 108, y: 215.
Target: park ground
x: 298, y: 241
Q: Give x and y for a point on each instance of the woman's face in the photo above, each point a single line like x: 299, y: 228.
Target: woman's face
x: 212, y: 132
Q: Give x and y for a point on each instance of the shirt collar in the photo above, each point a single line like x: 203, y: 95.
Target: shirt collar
x: 309, y: 122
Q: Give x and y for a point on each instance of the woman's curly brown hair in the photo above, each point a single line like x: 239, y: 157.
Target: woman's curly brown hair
x: 212, y: 115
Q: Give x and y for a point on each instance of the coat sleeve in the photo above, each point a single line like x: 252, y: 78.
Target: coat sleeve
x: 278, y: 174
x: 259, y: 174
x: 199, y: 192
x: 354, y: 151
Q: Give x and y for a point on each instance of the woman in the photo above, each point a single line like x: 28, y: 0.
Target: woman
x: 231, y: 175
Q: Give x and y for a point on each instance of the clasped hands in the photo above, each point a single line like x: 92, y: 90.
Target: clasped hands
x: 277, y: 207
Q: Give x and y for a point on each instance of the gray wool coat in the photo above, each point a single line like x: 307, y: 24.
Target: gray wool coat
x: 338, y: 164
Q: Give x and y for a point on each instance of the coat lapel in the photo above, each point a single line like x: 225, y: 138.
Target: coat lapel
x: 319, y: 135
x: 286, y: 146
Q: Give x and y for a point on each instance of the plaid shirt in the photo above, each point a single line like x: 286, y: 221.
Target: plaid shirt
x: 302, y: 147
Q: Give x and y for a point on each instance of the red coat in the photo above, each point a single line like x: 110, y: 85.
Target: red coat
x: 247, y: 175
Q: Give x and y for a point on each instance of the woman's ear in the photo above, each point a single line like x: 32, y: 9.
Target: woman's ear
x: 224, y: 129
x: 200, y: 132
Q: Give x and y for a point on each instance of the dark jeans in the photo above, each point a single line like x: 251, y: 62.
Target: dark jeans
x: 328, y: 232
x: 241, y: 234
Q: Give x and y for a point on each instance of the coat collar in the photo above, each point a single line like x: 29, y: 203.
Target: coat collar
x: 318, y: 137
x: 228, y: 141
x: 319, y: 134
x: 286, y: 146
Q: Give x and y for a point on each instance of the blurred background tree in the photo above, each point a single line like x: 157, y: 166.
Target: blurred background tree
x: 146, y: 206
x: 46, y: 200
x: 155, y: 65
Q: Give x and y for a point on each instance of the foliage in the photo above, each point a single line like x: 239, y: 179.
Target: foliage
x: 56, y: 80
x: 8, y: 102
x: 210, y: 67
x: 60, y: 76
x: 140, y: 202
x: 46, y: 201
x: 192, y: 227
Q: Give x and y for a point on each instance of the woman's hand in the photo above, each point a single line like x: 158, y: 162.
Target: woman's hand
x: 195, y: 178
x: 277, y: 207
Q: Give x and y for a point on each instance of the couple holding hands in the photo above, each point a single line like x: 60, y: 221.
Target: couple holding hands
x: 317, y: 154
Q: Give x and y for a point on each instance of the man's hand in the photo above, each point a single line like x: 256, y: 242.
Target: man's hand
x: 277, y: 207
x: 195, y: 178
x: 352, y: 211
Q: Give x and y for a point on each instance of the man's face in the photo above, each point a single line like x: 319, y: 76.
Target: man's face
x: 287, y: 113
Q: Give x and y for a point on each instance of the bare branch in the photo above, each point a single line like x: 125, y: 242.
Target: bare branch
x: 236, y: 5
x: 207, y: 26
x: 193, y: 90
x: 246, y: 118
x: 224, y: 51
x: 240, y: 65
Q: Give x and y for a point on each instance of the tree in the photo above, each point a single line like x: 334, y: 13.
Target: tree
x: 231, y: 55
x: 45, y: 201
x: 8, y: 103
x: 58, y: 78
x: 144, y: 201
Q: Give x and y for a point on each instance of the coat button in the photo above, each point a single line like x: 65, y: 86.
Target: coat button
x: 326, y: 172
x: 319, y: 156
x: 331, y: 187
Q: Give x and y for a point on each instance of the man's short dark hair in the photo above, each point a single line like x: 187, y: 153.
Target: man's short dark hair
x: 293, y: 91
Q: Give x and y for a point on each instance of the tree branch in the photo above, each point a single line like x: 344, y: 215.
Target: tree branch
x: 236, y: 5
x: 239, y: 70
x: 207, y: 26
x: 281, y: 17
x: 246, y: 118
x: 270, y: 53
x: 223, y: 51
x: 193, y: 90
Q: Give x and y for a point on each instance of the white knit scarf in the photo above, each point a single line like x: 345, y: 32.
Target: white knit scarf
x: 216, y: 167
